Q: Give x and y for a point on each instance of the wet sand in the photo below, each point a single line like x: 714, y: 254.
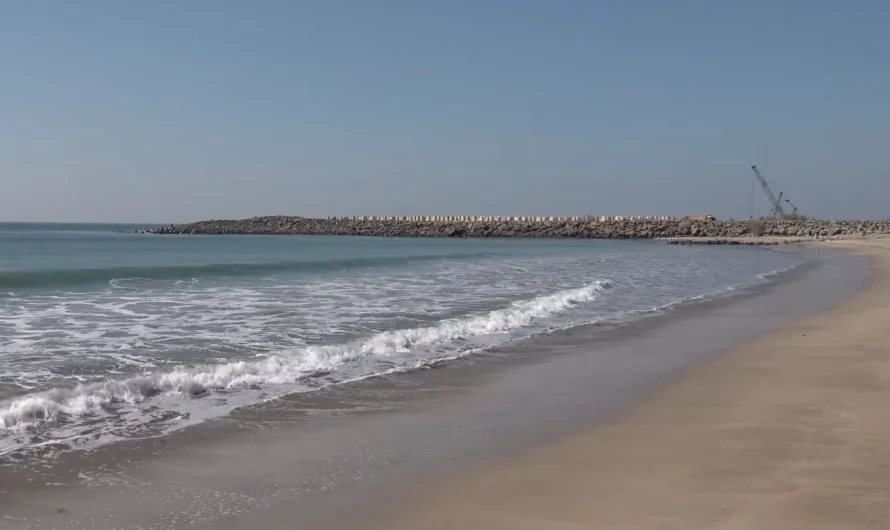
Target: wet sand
x: 787, y: 431
x: 403, y: 452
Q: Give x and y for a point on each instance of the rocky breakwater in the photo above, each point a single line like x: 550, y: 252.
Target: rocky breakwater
x: 591, y: 228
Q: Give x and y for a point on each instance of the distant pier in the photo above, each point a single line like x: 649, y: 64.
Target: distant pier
x: 581, y: 227
x: 503, y: 218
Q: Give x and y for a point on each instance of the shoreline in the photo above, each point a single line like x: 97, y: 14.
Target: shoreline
x: 785, y: 431
x: 263, y: 463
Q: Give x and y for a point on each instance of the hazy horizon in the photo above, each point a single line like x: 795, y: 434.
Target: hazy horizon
x: 170, y: 112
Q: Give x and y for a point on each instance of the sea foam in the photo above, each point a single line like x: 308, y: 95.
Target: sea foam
x: 284, y: 367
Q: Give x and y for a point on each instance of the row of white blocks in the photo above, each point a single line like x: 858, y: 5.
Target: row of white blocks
x: 493, y: 218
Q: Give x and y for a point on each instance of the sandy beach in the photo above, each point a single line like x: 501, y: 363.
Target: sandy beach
x: 787, y: 431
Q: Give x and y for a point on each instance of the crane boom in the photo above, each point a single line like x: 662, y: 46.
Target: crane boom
x: 775, y: 201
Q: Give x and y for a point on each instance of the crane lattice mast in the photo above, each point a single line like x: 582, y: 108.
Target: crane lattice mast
x: 778, y: 211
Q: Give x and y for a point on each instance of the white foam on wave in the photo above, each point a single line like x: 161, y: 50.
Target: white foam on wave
x: 776, y: 272
x: 161, y: 323
x: 285, y: 367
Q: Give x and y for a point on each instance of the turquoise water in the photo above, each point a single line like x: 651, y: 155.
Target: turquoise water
x: 108, y: 333
x: 81, y: 256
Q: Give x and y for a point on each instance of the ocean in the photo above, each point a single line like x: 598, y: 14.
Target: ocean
x: 107, y: 334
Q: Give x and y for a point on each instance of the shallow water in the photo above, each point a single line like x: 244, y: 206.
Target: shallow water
x: 107, y: 334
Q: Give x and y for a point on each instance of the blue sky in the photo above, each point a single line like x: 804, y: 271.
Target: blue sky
x: 175, y: 111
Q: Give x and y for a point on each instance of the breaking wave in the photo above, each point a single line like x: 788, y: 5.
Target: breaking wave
x: 405, y: 346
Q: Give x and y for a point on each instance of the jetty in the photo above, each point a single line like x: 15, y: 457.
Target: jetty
x: 581, y: 227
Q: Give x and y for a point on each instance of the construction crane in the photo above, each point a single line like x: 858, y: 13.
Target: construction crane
x: 794, y: 210
x: 776, y: 202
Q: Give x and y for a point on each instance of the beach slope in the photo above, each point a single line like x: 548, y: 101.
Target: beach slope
x: 788, y: 431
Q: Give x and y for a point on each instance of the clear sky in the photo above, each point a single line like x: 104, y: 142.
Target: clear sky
x: 172, y: 110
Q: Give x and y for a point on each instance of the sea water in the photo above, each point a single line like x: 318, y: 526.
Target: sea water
x: 107, y: 333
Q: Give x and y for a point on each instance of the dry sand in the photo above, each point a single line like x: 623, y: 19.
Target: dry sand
x: 790, y: 431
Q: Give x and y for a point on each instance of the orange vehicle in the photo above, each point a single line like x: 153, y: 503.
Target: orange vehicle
x: 701, y: 218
